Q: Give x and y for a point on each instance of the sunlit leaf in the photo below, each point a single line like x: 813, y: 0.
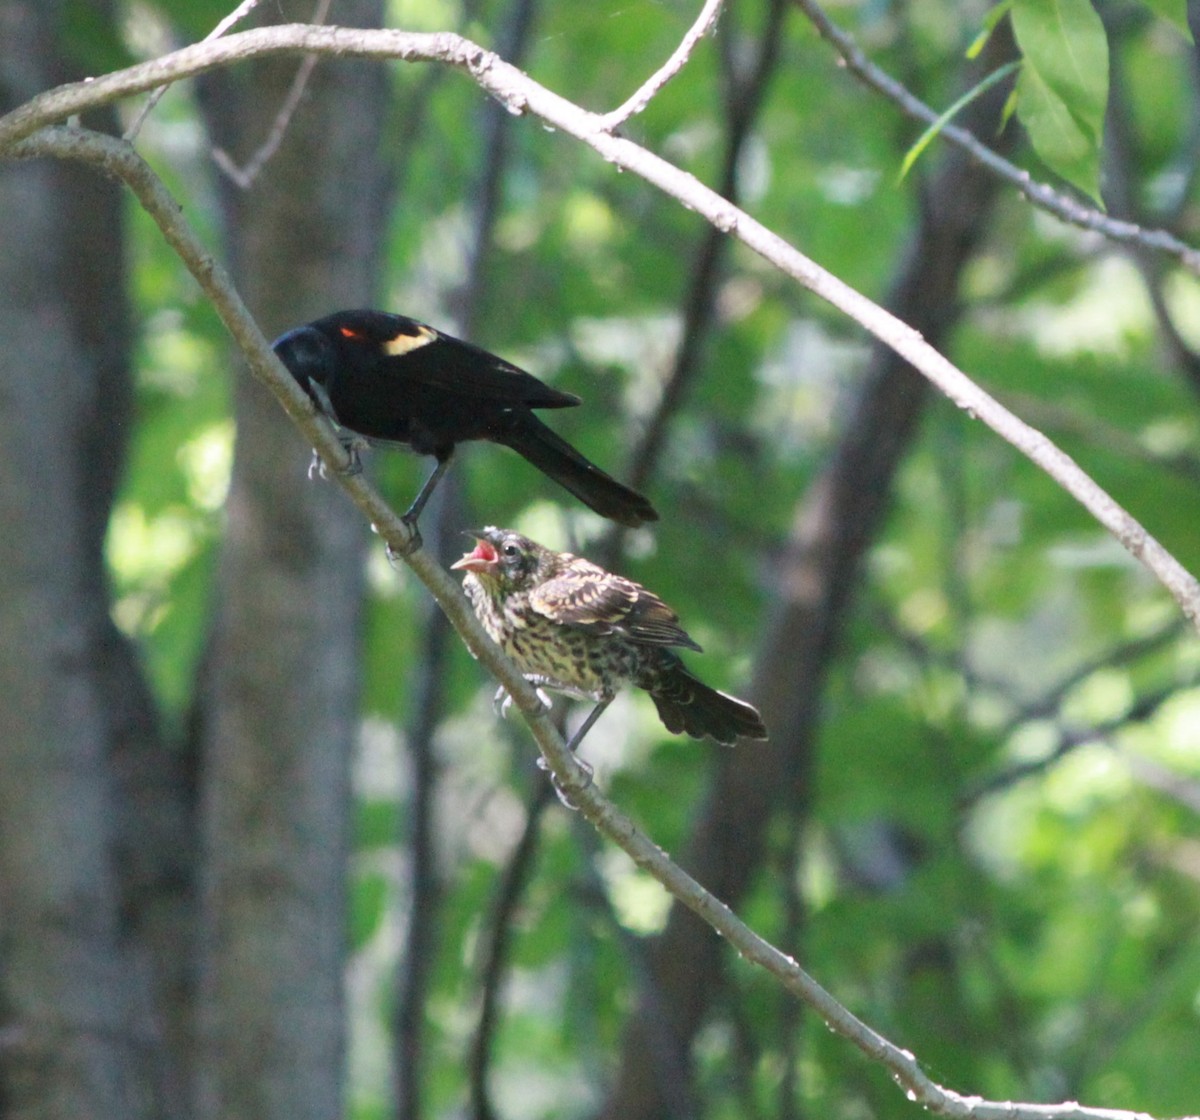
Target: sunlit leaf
x: 1063, y: 90
x: 1056, y: 134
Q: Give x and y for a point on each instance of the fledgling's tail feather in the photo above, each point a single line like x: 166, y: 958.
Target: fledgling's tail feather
x: 686, y: 704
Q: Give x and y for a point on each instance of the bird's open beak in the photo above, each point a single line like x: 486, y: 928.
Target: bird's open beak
x: 482, y: 559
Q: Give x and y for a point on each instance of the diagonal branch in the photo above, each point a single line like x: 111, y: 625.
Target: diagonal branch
x: 118, y: 159
x: 1040, y: 194
x: 520, y: 94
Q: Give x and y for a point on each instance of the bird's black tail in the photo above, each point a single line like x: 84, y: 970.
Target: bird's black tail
x: 553, y: 456
x: 688, y: 705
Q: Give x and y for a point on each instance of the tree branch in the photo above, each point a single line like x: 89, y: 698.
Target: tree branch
x: 1040, y: 194
x: 705, y: 22
x: 520, y: 94
x: 237, y: 15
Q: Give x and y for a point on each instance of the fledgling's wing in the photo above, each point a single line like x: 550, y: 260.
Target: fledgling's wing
x: 586, y: 596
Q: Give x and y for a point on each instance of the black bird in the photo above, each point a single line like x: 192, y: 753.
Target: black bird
x: 388, y: 379
x: 572, y: 627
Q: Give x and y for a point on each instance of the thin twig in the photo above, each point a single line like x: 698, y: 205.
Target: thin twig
x: 1069, y: 740
x: 705, y: 22
x: 495, y: 942
x: 236, y: 16
x: 1040, y: 194
x: 245, y: 175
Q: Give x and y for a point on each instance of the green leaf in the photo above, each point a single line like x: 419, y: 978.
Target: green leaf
x: 914, y: 153
x: 1063, y: 41
x: 1174, y: 12
x: 1056, y: 135
x: 1063, y: 89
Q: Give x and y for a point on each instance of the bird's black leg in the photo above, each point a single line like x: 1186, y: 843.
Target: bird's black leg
x: 418, y: 503
x: 354, y: 446
x: 576, y: 739
x: 413, y: 512
x: 587, y: 724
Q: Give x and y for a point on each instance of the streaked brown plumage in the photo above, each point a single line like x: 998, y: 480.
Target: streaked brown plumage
x: 574, y: 628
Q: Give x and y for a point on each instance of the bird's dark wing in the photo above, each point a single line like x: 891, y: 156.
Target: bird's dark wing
x: 427, y: 358
x: 588, y: 597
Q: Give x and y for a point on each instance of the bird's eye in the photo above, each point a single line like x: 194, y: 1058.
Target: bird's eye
x: 511, y: 551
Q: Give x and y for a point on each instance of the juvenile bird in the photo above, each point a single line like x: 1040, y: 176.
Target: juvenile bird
x: 388, y: 379
x: 572, y: 627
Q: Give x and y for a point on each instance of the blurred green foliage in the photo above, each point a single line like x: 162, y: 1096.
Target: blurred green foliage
x: 1028, y: 938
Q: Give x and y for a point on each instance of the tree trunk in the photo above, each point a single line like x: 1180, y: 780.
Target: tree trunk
x: 80, y: 1031
x: 279, y: 695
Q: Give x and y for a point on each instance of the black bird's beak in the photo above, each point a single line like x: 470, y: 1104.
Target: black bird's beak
x: 307, y: 354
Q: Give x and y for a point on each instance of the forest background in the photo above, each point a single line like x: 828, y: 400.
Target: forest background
x: 266, y: 850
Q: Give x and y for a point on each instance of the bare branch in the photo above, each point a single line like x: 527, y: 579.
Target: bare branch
x: 1040, y: 194
x: 493, y: 954
x: 1179, y: 787
x: 56, y: 105
x: 237, y: 15
x: 705, y: 22
x: 118, y: 158
x: 245, y: 175
x: 744, y: 99
x: 520, y: 94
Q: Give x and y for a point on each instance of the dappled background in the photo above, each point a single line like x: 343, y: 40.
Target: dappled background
x: 266, y: 849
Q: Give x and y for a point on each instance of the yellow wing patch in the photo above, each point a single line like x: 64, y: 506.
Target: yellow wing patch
x: 407, y: 343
